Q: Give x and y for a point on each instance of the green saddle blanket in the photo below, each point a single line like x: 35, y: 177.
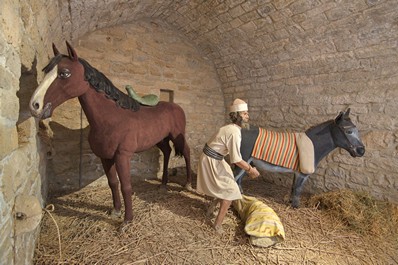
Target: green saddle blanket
x: 148, y: 100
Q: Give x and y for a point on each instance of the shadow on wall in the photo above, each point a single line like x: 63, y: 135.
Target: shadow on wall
x: 71, y: 165
x: 26, y: 125
x: 27, y: 85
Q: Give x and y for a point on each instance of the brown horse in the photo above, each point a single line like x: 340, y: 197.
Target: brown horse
x: 119, y: 125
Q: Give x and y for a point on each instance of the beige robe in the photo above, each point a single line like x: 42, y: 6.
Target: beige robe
x: 215, y: 177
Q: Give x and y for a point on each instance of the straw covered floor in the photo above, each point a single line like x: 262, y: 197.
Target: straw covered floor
x: 171, y: 228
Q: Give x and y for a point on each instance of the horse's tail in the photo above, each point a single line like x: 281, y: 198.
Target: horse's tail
x: 179, y: 145
x: 178, y: 131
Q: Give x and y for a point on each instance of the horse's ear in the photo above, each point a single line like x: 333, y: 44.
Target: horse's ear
x: 55, y: 50
x: 72, y: 53
x: 338, y: 117
x: 347, y: 113
x: 343, y: 115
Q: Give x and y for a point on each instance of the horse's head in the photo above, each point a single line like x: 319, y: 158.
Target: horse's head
x: 64, y: 80
x: 346, y: 135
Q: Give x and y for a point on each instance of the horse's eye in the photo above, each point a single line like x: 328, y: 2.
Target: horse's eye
x: 349, y: 132
x: 65, y: 73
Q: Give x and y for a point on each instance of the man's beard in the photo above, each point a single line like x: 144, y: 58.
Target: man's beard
x: 245, y: 125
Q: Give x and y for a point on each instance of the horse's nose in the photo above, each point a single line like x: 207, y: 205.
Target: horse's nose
x: 361, y: 150
x: 34, y: 107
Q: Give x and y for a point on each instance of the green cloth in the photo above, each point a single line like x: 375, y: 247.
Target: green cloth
x: 148, y: 100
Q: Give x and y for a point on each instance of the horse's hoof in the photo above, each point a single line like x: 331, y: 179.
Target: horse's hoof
x: 295, y: 204
x: 115, y: 214
x: 124, y: 227
x: 210, y: 213
x: 218, y: 229
x: 163, y: 188
x: 188, y: 187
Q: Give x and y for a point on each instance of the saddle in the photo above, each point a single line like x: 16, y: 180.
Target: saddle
x: 289, y: 150
x: 147, y: 100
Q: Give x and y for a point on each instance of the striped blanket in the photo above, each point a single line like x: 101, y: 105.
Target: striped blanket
x: 278, y: 148
x: 289, y: 150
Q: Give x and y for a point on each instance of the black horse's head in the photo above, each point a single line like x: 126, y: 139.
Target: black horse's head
x: 346, y: 135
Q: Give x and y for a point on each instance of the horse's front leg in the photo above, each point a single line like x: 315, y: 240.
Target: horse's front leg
x: 297, y: 187
x: 123, y: 170
x: 240, y: 173
x: 113, y: 182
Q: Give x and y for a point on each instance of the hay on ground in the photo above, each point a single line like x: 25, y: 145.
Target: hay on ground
x: 360, y: 212
x: 171, y: 228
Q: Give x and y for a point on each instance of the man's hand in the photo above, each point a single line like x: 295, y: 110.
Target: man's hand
x: 253, y: 173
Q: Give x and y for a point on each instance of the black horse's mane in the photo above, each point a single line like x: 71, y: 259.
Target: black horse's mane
x: 320, y: 128
x: 324, y: 126
x: 100, y: 83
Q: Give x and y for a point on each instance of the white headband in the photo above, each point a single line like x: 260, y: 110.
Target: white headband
x: 238, y: 105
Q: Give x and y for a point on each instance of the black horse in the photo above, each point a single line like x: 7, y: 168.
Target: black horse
x: 339, y: 132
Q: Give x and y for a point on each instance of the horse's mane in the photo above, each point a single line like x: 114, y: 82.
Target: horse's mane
x: 53, y: 62
x: 320, y: 128
x: 100, y: 83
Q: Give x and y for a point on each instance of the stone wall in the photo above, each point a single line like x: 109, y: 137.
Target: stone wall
x: 297, y: 62
x: 23, y: 47
x: 301, y: 62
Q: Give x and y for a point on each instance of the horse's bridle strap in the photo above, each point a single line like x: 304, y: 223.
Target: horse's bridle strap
x: 343, y: 128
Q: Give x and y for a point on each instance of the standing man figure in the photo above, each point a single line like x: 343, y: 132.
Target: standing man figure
x: 215, y: 176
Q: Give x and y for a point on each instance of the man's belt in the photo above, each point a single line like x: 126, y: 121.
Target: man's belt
x: 211, y: 153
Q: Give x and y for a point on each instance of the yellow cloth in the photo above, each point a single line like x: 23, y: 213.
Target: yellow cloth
x: 262, y: 224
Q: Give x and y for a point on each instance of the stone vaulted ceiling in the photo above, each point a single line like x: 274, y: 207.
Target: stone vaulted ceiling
x: 249, y: 39
x: 232, y: 33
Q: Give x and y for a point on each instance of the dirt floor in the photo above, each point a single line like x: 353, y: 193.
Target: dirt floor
x: 171, y: 228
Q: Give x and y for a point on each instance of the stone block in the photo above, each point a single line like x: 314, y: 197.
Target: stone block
x: 383, y: 164
x: 6, y: 244
x: 314, y: 21
x: 236, y: 11
x: 335, y: 178
x: 8, y: 140
x: 282, y: 3
x: 378, y: 140
x: 376, y: 121
x: 10, y: 22
x: 358, y: 177
x: 7, y: 80
x: 301, y: 6
x: 319, y: 101
x: 370, y: 96
x: 385, y: 182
